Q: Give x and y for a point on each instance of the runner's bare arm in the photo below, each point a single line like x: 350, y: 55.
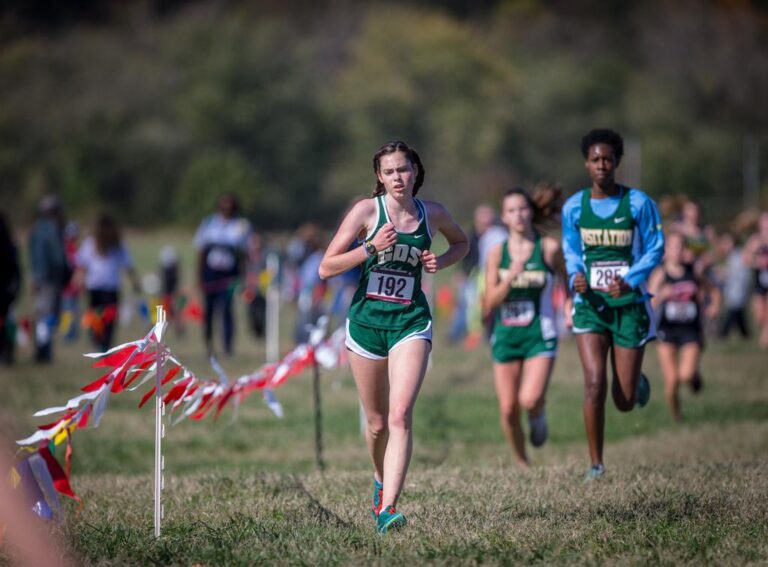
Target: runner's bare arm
x: 338, y: 258
x: 750, y: 248
x: 553, y: 257
x: 458, y: 245
x: 712, y: 309
x: 496, y: 287
x: 654, y: 286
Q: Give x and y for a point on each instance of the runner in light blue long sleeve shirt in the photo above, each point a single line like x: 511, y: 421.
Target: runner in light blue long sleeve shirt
x: 612, y: 240
x: 648, y: 241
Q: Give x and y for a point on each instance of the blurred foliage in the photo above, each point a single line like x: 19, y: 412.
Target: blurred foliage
x: 153, y: 108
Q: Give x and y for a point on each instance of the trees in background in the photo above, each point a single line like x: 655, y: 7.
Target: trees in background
x: 155, y: 109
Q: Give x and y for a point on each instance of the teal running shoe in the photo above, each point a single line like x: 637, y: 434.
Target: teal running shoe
x: 595, y: 472
x: 643, y: 391
x: 389, y: 519
x: 378, y: 492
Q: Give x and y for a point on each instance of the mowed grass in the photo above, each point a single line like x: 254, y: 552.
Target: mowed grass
x: 247, y: 491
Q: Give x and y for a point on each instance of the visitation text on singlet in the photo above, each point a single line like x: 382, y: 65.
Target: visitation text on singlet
x: 607, y: 249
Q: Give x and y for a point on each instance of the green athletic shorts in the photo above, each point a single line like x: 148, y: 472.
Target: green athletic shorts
x: 631, y: 326
x: 375, y: 344
x: 524, y: 343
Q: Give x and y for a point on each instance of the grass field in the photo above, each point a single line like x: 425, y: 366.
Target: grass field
x: 247, y: 492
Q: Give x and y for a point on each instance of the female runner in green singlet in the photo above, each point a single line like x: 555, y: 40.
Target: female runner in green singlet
x: 389, y: 326
x: 519, y: 286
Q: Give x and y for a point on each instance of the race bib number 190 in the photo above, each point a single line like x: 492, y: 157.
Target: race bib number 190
x: 390, y: 285
x: 681, y: 311
x: 602, y: 274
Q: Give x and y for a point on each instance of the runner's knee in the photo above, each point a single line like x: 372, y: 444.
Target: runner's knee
x: 509, y: 410
x: 623, y: 403
x: 594, y: 388
x: 377, y: 425
x: 399, y: 418
x: 528, y: 401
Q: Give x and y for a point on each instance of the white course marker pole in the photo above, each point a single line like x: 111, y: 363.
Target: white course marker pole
x: 273, y: 309
x: 159, y: 429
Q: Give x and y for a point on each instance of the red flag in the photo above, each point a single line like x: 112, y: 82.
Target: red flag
x: 116, y: 358
x: 177, y: 391
x: 224, y: 399
x: 60, y: 479
x: 168, y: 377
x: 96, y: 384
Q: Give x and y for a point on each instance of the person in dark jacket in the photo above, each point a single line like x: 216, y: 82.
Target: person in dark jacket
x: 10, y: 284
x: 50, y: 273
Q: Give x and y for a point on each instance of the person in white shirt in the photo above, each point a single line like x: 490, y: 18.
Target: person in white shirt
x: 100, y: 262
x: 222, y: 242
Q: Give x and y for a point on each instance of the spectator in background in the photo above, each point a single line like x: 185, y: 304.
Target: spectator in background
x: 297, y: 250
x: 487, y: 233
x: 699, y: 239
x: 311, y: 288
x: 255, y: 284
x: 169, y: 280
x: 100, y: 261
x: 466, y: 290
x: 50, y: 273
x: 10, y: 284
x: 70, y: 298
x: 221, y: 241
x: 734, y: 278
x: 756, y: 257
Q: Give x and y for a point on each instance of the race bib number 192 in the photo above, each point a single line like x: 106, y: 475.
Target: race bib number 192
x: 390, y: 285
x: 602, y: 274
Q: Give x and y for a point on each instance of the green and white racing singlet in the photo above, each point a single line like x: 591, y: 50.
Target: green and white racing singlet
x: 389, y: 295
x: 607, y: 249
x: 527, y: 312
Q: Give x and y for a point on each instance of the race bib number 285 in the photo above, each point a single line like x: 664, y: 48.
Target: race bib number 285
x: 390, y: 285
x: 602, y: 274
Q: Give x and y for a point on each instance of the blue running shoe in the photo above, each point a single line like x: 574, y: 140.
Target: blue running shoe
x: 643, y: 391
x: 595, y: 472
x: 538, y: 429
x: 389, y: 519
x: 697, y: 383
x: 378, y: 492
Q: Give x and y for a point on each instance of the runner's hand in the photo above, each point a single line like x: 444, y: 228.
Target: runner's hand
x: 429, y: 260
x: 618, y: 287
x: 385, y: 238
x: 580, y: 283
x: 516, y: 268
